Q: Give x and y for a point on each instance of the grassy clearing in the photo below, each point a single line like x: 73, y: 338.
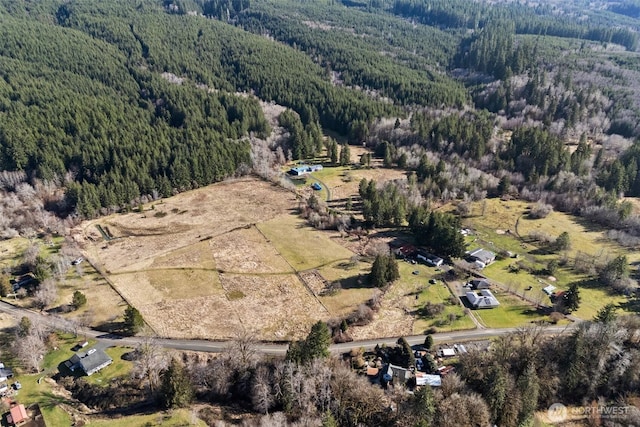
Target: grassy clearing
x: 302, y: 246
x: 197, y: 255
x: 417, y: 285
x: 247, y: 251
x: 344, y: 301
x: 11, y: 251
x: 184, y: 283
x: 496, y: 231
x: 592, y: 299
x: 511, y: 312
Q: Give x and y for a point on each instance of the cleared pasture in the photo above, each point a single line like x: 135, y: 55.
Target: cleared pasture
x: 302, y: 246
x: 505, y: 226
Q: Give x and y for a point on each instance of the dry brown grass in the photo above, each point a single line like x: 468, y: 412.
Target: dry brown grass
x: 190, y: 218
x: 204, y: 270
x: 247, y: 251
x: 103, y: 303
x: 279, y: 306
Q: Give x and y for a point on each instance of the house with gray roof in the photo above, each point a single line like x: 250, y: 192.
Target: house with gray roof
x: 482, y: 255
x: 482, y: 299
x: 89, y: 362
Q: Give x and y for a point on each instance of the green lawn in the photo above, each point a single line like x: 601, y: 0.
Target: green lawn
x: 37, y: 388
x: 500, y: 216
x: 418, y: 284
x: 512, y: 312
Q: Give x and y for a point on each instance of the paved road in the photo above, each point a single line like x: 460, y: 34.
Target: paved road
x: 264, y: 347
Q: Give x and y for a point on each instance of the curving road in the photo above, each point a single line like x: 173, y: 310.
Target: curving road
x: 264, y: 347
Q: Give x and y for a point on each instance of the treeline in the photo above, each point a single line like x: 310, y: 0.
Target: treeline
x: 527, y: 20
x: 392, y: 204
x: 525, y: 372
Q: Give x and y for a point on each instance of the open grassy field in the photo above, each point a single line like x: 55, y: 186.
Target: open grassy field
x: 506, y: 227
x: 217, y: 260
x: 511, y: 312
x: 302, y: 246
x: 11, y: 251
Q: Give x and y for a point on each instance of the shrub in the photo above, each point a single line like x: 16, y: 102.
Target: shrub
x: 540, y: 210
x: 555, y: 317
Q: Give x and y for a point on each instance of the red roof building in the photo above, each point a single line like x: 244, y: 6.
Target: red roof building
x: 17, y: 415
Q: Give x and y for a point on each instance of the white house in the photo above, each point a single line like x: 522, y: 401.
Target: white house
x: 482, y: 299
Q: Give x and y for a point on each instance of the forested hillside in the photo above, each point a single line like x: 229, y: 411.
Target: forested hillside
x: 118, y: 100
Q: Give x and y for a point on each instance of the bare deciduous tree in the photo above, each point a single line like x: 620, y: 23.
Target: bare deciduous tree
x: 261, y: 393
x: 30, y: 349
x: 149, y: 363
x: 46, y: 294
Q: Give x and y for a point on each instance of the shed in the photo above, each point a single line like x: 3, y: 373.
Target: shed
x: 428, y: 379
x: 549, y: 290
x: 17, y: 415
x: 447, y: 352
x: 480, y: 284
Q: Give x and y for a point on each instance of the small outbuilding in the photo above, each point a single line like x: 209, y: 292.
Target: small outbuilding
x: 428, y: 379
x: 17, y: 415
x: 480, y: 284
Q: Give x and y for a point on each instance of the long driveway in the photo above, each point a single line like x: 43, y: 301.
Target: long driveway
x: 264, y: 347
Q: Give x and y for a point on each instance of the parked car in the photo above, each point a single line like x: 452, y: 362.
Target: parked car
x: 316, y: 186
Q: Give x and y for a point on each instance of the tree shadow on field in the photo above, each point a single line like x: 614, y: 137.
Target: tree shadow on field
x: 360, y: 281
x: 632, y: 305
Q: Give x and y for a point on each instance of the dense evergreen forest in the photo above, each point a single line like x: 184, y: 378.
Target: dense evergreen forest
x: 120, y: 100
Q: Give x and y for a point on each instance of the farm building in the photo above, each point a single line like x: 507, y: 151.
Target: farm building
x: 482, y: 255
x: 480, y: 284
x: 17, y: 415
x: 482, y: 299
x: 90, y: 362
x: 304, y: 170
x: 429, y: 259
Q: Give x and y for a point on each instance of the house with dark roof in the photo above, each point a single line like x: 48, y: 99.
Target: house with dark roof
x: 89, y: 362
x: 480, y: 284
x: 482, y: 255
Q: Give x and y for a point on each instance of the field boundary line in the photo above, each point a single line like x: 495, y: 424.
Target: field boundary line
x: 115, y: 288
x: 297, y: 273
